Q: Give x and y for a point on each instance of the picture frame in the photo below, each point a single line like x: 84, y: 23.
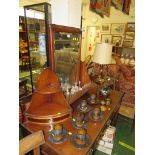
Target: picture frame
x: 126, y: 6
x: 127, y: 43
x: 101, y: 7
x: 117, y: 28
x: 130, y: 26
x: 129, y: 35
x: 118, y: 4
x: 106, y: 28
x: 98, y: 31
x: 106, y: 7
x: 105, y: 37
x: 92, y: 7
x: 117, y: 40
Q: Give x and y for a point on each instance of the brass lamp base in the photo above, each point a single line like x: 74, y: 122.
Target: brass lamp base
x: 99, y: 80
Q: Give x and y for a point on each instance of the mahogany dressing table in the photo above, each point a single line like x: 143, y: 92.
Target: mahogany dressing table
x: 93, y: 129
x: 50, y: 106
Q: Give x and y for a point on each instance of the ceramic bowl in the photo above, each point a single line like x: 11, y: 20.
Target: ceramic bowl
x: 105, y: 91
x: 57, y: 129
x: 108, y: 101
x: 58, y: 135
x: 81, y: 134
x: 92, y: 101
x: 102, y: 102
x: 103, y: 108
x: 83, y: 105
x: 96, y: 113
x: 79, y: 119
x: 92, y: 96
x: 80, y: 139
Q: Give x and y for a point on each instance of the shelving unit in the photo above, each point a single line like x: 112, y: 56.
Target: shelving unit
x: 24, y: 63
x: 48, y: 105
x: 23, y: 47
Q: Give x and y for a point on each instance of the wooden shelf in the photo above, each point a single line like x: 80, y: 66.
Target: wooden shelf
x: 33, y: 42
x: 48, y: 102
x: 22, y: 31
x: 51, y: 109
x: 49, y: 89
x: 66, y: 41
x: 33, y: 31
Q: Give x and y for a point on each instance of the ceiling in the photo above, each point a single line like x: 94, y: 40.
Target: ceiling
x: 29, y: 2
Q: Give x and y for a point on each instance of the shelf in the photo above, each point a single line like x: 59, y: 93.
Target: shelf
x: 33, y: 31
x: 21, y: 23
x: 33, y: 42
x: 49, y: 89
x: 23, y: 51
x: 22, y: 31
x: 66, y: 41
x: 48, y: 109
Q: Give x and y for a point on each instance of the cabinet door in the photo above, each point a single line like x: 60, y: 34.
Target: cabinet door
x: 37, y: 22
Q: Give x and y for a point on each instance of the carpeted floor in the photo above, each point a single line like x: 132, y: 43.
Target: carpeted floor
x: 124, y: 143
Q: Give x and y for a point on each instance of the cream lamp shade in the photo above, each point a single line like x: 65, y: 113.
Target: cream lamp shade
x: 102, y: 54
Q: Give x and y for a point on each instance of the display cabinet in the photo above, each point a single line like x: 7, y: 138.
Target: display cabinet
x: 37, y: 19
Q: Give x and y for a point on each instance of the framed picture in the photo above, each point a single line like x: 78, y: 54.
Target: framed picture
x: 126, y: 6
x: 130, y: 26
x: 106, y: 37
x: 106, y: 7
x: 130, y: 35
x: 101, y: 7
x: 98, y: 31
x: 118, y: 4
x: 117, y: 28
x: 117, y: 40
x: 127, y: 43
x: 105, y: 28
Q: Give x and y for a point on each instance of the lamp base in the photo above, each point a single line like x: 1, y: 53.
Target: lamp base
x: 99, y: 80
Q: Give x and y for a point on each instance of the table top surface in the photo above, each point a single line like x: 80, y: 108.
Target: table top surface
x: 93, y: 128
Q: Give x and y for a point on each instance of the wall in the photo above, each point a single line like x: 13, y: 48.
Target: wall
x: 92, y: 19
x: 66, y: 12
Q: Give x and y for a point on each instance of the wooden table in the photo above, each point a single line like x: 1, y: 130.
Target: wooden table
x: 93, y: 129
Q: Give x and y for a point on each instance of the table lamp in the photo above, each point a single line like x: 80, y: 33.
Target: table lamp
x: 102, y: 56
